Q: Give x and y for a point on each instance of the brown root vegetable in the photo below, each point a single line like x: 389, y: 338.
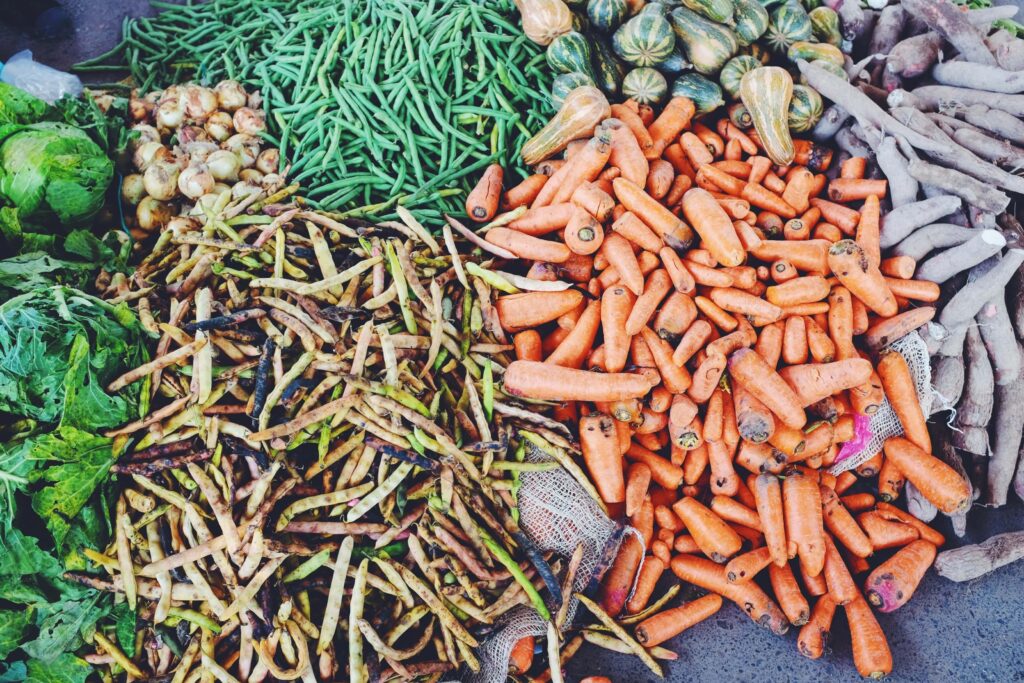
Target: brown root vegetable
x: 914, y: 56
x: 930, y: 238
x: 999, y: 152
x: 903, y: 188
x: 918, y: 505
x: 831, y: 121
x: 996, y: 121
x: 1007, y: 49
x: 971, y: 190
x: 901, y: 222
x: 997, y: 332
x: 966, y: 303
x: 948, y: 381
x: 975, y: 408
x: 950, y: 98
x: 946, y: 19
x: 984, y: 244
x: 888, y: 29
x: 973, y: 561
x: 1006, y: 433
x: 979, y: 76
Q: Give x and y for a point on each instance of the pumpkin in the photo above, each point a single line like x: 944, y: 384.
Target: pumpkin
x: 825, y: 25
x: 766, y: 92
x: 645, y: 84
x: 565, y: 84
x: 715, y: 10
x: 644, y: 40
x: 805, y: 109
x: 733, y: 72
x: 569, y: 52
x: 751, y: 20
x: 705, y: 93
x: 581, y: 112
x: 608, y: 70
x: 544, y: 20
x: 789, y: 24
x: 708, y: 45
x: 606, y: 15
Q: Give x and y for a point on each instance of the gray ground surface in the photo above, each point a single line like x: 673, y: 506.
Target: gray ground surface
x: 948, y: 632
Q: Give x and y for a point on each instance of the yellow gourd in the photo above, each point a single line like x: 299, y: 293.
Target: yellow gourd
x: 766, y: 93
x: 583, y: 109
x: 544, y: 20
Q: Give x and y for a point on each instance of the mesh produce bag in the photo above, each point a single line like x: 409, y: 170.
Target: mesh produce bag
x: 884, y: 423
x: 558, y: 515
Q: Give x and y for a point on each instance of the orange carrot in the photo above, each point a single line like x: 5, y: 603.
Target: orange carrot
x: 769, y: 343
x: 842, y: 525
x: 899, y: 387
x: 651, y: 423
x: 680, y: 417
x: 720, y: 178
x: 530, y: 309
x: 671, y: 622
x: 885, y: 533
x: 732, y: 510
x: 938, y: 482
x: 585, y: 166
x: 674, y: 376
x: 814, y: 381
x: 758, y: 458
x: 787, y: 592
x: 854, y: 167
x: 871, y: 466
x: 684, y: 543
x: 842, y: 217
x: 892, y: 583
x: 746, y: 566
x: 893, y: 513
x: 709, y: 277
x: 693, y: 340
x: 798, y: 189
x: 626, y: 154
x: 712, y: 140
x: 521, y: 658
x: 707, y: 376
x: 794, y: 341
x: 636, y: 231
x: 666, y: 519
x: 807, y: 255
x: 616, y: 305
x: 716, y: 314
x: 674, y: 317
x: 543, y: 220
x: 764, y: 198
x: 618, y: 580
x: 739, y: 302
x: 918, y: 290
x: 658, y: 218
x: 867, y: 398
x: 530, y: 379
x: 675, y: 155
x: 621, y: 257
x: 680, y: 184
x: 724, y: 480
x: 902, y: 267
x: 819, y: 344
x: 860, y: 316
x: 527, y: 345
x: 856, y: 189
x: 682, y: 279
x: 599, y: 443
x: 853, y: 269
x: 482, y: 201
x: 528, y: 247
x: 815, y: 585
x: 749, y: 237
x: 837, y: 575
x: 696, y: 151
x: 743, y: 277
x: 659, y: 179
x: 871, y: 654
x: 857, y: 502
x: 814, y: 635
x: 753, y: 419
x: 594, y: 200
x: 650, y: 572
x: 804, y: 527
x: 868, y: 231
x: 782, y: 271
x: 662, y: 470
x: 660, y: 400
x: 635, y: 124
x: 643, y: 521
x: 670, y: 123
x: 827, y: 232
x: 583, y: 234
x: 749, y: 369
x: 799, y: 290
x: 715, y: 538
x: 524, y: 193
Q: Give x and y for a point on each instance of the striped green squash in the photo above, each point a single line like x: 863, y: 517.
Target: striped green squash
x: 830, y: 67
x: 709, y: 45
x: 565, y: 84
x: 789, y: 23
x: 608, y: 70
x: 715, y: 10
x: 607, y: 15
x: 676, y: 63
x: 810, y: 52
x: 644, y: 40
x: 733, y: 71
x: 705, y: 93
x: 569, y: 52
x: 805, y: 109
x: 825, y: 26
x: 751, y: 20
x: 645, y: 84
x: 740, y: 115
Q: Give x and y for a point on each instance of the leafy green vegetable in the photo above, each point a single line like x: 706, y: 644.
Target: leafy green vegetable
x: 106, y: 126
x: 64, y: 669
x: 19, y: 107
x: 53, y: 170
x: 59, y: 348
x: 13, y: 624
x: 124, y: 626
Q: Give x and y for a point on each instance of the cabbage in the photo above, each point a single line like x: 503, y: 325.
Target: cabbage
x: 17, y: 106
x: 52, y: 170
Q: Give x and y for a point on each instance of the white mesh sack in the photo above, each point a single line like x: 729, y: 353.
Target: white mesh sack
x: 884, y: 423
x: 557, y: 514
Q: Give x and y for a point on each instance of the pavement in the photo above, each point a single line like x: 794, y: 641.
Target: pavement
x: 948, y: 632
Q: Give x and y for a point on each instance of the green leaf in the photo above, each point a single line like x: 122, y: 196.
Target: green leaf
x: 21, y: 555
x: 63, y: 624
x: 12, y: 630
x: 14, y: 673
x: 64, y: 669
x: 14, y: 470
x: 125, y: 628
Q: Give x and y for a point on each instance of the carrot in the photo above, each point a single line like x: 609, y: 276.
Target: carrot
x: 707, y: 376
x: 842, y: 217
x: 769, y: 343
x: 867, y: 398
x: 527, y: 345
x: 744, y: 567
x: 847, y: 190
x: 524, y: 193
x: 799, y: 290
x: 837, y: 575
x: 899, y: 387
x: 675, y: 232
x: 707, y: 276
x: 749, y: 596
x: 696, y: 336
x: 724, y: 480
x: 794, y: 341
x: 482, y: 201
x: 616, y: 304
x: 815, y: 585
x: 854, y: 167
x: 594, y: 200
x: 585, y: 166
x: 662, y: 470
x: 798, y: 189
x: 599, y: 443
x: 860, y: 316
x: 681, y: 278
x: 521, y: 658
x: 621, y: 257
x: 675, y: 155
x: 893, y: 513
x: 841, y: 524
x: 918, y: 290
x: 618, y: 580
x: 814, y: 381
x: 680, y: 184
x: 676, y: 116
x: 764, y: 198
x: 851, y: 266
x: 650, y: 572
x: 901, y: 267
x: 732, y: 510
x: 787, y: 592
x: 680, y: 418
x: 643, y: 521
x: 675, y: 316
x: 773, y: 182
x: 938, y: 482
x: 528, y: 247
x: 645, y: 260
x: 892, y: 583
x: 539, y: 221
x: 749, y: 369
x: 807, y: 255
x: 804, y: 527
x: 768, y: 495
x: 659, y: 179
x: 530, y: 309
x: 541, y: 381
x: 674, y: 376
x: 712, y: 534
x: 753, y: 419
x: 871, y: 653
x: 626, y: 153
x: 579, y: 268
x: 857, y: 502
x: 671, y: 622
x: 868, y: 231
x: 712, y: 140
x: 696, y: 151
x: 633, y: 229
x: 749, y: 238
x: 583, y: 234
x: 813, y: 636
x: 758, y: 458
x: 885, y: 533
x: 716, y: 314
x: 666, y: 519
x: 635, y: 124
x: 727, y: 182
x: 738, y: 301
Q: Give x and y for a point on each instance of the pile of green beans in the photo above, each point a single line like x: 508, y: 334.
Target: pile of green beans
x: 371, y: 102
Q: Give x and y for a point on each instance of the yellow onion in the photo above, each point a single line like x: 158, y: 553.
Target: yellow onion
x: 182, y: 224
x: 268, y: 160
x: 199, y: 151
x: 272, y: 182
x: 133, y: 189
x: 249, y: 121
x: 251, y: 175
x: 161, y: 180
x: 149, y: 153
x: 195, y: 181
x: 224, y: 165
x: 246, y: 147
x: 169, y: 115
x: 219, y: 126
x: 243, y: 189
x: 140, y: 108
x: 230, y: 95
x: 200, y: 102
x: 146, y: 133
x: 152, y: 213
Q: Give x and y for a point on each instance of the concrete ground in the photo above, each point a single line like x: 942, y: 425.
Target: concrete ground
x: 948, y: 632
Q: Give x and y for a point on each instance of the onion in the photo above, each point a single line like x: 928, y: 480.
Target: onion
x: 195, y: 181
x: 268, y: 160
x: 230, y: 95
x: 133, y: 189
x: 251, y: 175
x: 140, y: 108
x: 246, y: 147
x: 220, y: 188
x: 169, y: 115
x: 182, y: 224
x: 272, y: 182
x: 189, y: 134
x: 150, y: 152
x: 152, y: 213
x: 147, y: 133
x: 161, y: 180
x: 243, y: 189
x: 219, y: 126
x: 199, y: 151
x: 200, y: 102
x: 224, y: 165
x: 249, y: 121
x: 205, y: 203
x: 173, y: 93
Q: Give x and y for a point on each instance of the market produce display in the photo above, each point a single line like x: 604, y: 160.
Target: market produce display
x: 444, y: 340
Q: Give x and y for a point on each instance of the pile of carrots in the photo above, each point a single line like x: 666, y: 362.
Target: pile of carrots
x: 726, y: 336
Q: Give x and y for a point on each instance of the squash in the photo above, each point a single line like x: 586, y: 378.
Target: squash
x: 676, y: 63
x: 644, y: 40
x: 565, y: 84
x: 805, y: 109
x: 657, y: 6
x: 607, y: 15
x: 580, y: 22
x: 705, y: 93
x: 758, y: 52
x: 751, y: 20
x: 581, y: 112
x: 544, y: 20
x: 708, y: 45
x: 733, y: 72
x: 789, y: 24
x: 569, y: 52
x: 825, y: 26
x: 645, y: 84
x: 715, y: 10
x: 740, y: 116
x: 766, y: 92
x: 810, y: 52
x: 830, y: 67
x: 811, y: 4
x: 608, y: 70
